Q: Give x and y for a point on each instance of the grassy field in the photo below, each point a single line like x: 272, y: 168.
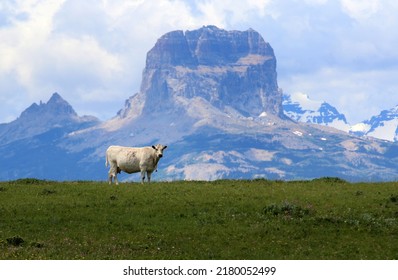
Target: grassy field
x: 320, y: 219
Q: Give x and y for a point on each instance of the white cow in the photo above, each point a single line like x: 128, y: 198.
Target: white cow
x: 131, y: 160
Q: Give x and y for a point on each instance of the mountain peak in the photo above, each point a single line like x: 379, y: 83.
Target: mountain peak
x: 56, y: 98
x: 42, y: 117
x: 56, y: 107
x: 208, y: 45
x: 383, y: 126
x: 222, y: 70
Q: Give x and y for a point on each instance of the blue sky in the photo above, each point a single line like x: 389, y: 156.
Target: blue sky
x: 93, y: 52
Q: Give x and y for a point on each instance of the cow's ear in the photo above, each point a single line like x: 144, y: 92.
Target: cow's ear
x: 154, y: 147
x: 164, y: 148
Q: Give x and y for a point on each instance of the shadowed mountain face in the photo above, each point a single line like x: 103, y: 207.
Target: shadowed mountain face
x: 212, y: 97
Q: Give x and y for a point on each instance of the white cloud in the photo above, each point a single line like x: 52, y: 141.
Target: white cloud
x: 44, y: 62
x: 23, y: 39
x: 316, y: 2
x: 360, y: 9
x: 228, y: 13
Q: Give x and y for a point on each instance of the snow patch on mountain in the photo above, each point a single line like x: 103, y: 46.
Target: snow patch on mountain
x: 304, y: 101
x: 387, y: 131
x: 360, y: 128
x: 383, y: 126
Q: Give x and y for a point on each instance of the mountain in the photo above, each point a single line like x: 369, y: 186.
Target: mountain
x: 205, y: 72
x: 206, y: 77
x: 212, y: 96
x: 299, y: 107
x: 383, y: 126
x: 40, y: 118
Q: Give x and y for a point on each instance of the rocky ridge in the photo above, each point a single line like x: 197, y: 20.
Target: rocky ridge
x: 42, y: 117
x: 299, y: 107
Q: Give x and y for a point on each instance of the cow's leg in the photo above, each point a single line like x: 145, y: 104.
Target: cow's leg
x: 116, y: 181
x: 143, y: 176
x: 149, y: 176
x: 113, y: 174
x: 110, y: 176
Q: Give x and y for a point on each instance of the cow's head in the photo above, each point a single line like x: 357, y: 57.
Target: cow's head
x: 159, y: 150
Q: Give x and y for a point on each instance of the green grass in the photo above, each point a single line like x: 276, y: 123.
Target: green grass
x: 226, y: 219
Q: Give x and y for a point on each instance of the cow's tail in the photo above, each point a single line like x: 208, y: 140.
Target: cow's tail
x: 106, y: 160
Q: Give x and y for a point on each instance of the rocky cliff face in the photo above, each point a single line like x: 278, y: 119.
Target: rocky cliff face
x: 228, y: 70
